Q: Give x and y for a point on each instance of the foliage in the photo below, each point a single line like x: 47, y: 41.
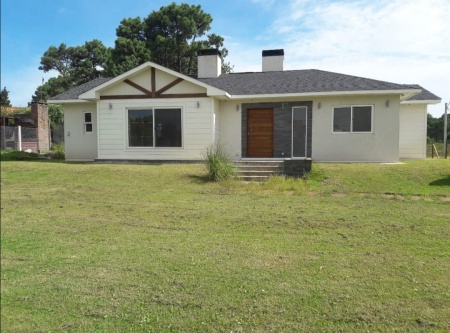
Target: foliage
x: 14, y: 155
x: 174, y: 34
x: 435, y: 128
x: 57, y: 151
x: 170, y: 37
x: 5, y: 98
x: 55, y: 114
x: 96, y: 251
x: 75, y: 65
x: 130, y: 48
x: 218, y: 164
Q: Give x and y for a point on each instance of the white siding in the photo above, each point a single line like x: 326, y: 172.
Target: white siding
x: 230, y: 128
x: 197, y: 129
x: 79, y: 145
x: 413, y: 131
x: 382, y: 145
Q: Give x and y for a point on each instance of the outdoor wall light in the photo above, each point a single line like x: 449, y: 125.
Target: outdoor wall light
x: 198, y: 104
x: 319, y: 105
x: 237, y: 107
x: 110, y: 106
x: 387, y: 103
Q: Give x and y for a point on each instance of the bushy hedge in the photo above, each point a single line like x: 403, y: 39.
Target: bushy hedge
x: 14, y: 155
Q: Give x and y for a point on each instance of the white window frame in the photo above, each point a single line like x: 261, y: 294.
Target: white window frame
x: 85, y: 123
x: 146, y: 107
x: 372, y: 107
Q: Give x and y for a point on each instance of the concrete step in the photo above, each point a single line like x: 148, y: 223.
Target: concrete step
x: 260, y: 173
x: 258, y: 170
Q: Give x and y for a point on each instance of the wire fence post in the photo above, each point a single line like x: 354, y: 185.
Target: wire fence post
x: 19, y: 138
x: 445, y: 130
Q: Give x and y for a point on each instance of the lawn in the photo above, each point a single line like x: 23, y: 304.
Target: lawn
x: 158, y: 248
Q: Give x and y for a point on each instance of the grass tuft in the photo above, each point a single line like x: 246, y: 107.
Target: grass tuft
x: 218, y: 164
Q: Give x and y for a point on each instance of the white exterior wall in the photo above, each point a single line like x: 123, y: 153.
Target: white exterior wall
x: 230, y: 128
x: 382, y: 145
x: 197, y: 129
x: 79, y: 145
x: 216, y: 122
x: 272, y: 63
x: 413, y: 131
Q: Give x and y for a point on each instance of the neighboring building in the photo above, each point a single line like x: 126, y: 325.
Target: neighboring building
x: 154, y: 113
x: 26, y: 128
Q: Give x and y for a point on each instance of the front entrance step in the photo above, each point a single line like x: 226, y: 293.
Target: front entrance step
x: 259, y: 170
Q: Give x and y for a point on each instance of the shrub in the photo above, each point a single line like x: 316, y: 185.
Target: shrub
x: 57, y: 151
x: 15, y: 155
x: 218, y: 164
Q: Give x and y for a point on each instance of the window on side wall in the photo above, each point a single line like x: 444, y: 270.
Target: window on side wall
x: 352, y: 119
x: 154, y: 127
x: 88, y: 122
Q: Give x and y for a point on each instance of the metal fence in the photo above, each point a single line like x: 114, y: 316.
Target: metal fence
x: 19, y: 138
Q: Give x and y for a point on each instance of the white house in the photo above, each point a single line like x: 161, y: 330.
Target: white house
x: 154, y: 113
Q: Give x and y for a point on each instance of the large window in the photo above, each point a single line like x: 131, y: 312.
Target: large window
x: 352, y: 119
x: 154, y: 128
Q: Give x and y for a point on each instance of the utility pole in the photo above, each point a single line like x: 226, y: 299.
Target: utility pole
x: 445, y: 130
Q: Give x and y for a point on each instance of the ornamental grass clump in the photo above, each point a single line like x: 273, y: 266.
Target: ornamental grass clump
x: 218, y: 164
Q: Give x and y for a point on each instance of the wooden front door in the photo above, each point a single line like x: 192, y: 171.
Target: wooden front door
x: 260, y: 133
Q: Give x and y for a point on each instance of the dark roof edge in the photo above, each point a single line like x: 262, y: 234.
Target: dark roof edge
x: 206, y: 52
x: 271, y: 53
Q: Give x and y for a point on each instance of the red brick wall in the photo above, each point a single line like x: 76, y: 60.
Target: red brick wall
x: 39, y: 112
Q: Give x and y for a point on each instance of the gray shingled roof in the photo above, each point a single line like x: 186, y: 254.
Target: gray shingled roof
x: 425, y: 95
x: 77, y: 91
x: 296, y: 81
x: 283, y: 82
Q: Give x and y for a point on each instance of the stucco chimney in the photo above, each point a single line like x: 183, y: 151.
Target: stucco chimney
x: 209, y: 63
x: 272, y: 60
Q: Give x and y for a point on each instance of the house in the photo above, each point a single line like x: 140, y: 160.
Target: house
x: 154, y: 113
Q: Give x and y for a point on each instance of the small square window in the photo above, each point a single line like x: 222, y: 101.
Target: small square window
x: 88, y: 128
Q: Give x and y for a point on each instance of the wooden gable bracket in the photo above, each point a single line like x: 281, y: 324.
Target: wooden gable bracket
x: 154, y: 93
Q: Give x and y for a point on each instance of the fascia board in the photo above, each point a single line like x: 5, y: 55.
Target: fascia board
x: 330, y: 93
x: 66, y: 101
x: 425, y: 101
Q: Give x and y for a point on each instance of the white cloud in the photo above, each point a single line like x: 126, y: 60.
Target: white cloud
x: 391, y: 40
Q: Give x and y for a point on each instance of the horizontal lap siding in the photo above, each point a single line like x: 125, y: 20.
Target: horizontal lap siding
x: 413, y: 131
x: 197, y: 129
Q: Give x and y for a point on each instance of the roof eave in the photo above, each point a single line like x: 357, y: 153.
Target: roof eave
x: 403, y: 94
x: 67, y: 101
x: 424, y: 101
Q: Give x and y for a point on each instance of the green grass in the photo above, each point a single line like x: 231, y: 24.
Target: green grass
x: 158, y: 248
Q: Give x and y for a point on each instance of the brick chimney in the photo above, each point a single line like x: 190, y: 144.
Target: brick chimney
x: 39, y: 112
x: 272, y: 60
x: 209, y: 63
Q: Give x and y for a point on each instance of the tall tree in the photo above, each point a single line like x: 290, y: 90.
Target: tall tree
x: 75, y: 65
x: 5, y: 97
x: 170, y: 37
x: 130, y: 48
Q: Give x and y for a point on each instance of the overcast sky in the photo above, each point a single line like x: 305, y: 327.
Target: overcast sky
x: 396, y: 40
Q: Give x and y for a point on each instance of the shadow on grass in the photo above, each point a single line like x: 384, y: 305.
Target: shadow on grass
x: 199, y: 179
x: 441, y: 182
